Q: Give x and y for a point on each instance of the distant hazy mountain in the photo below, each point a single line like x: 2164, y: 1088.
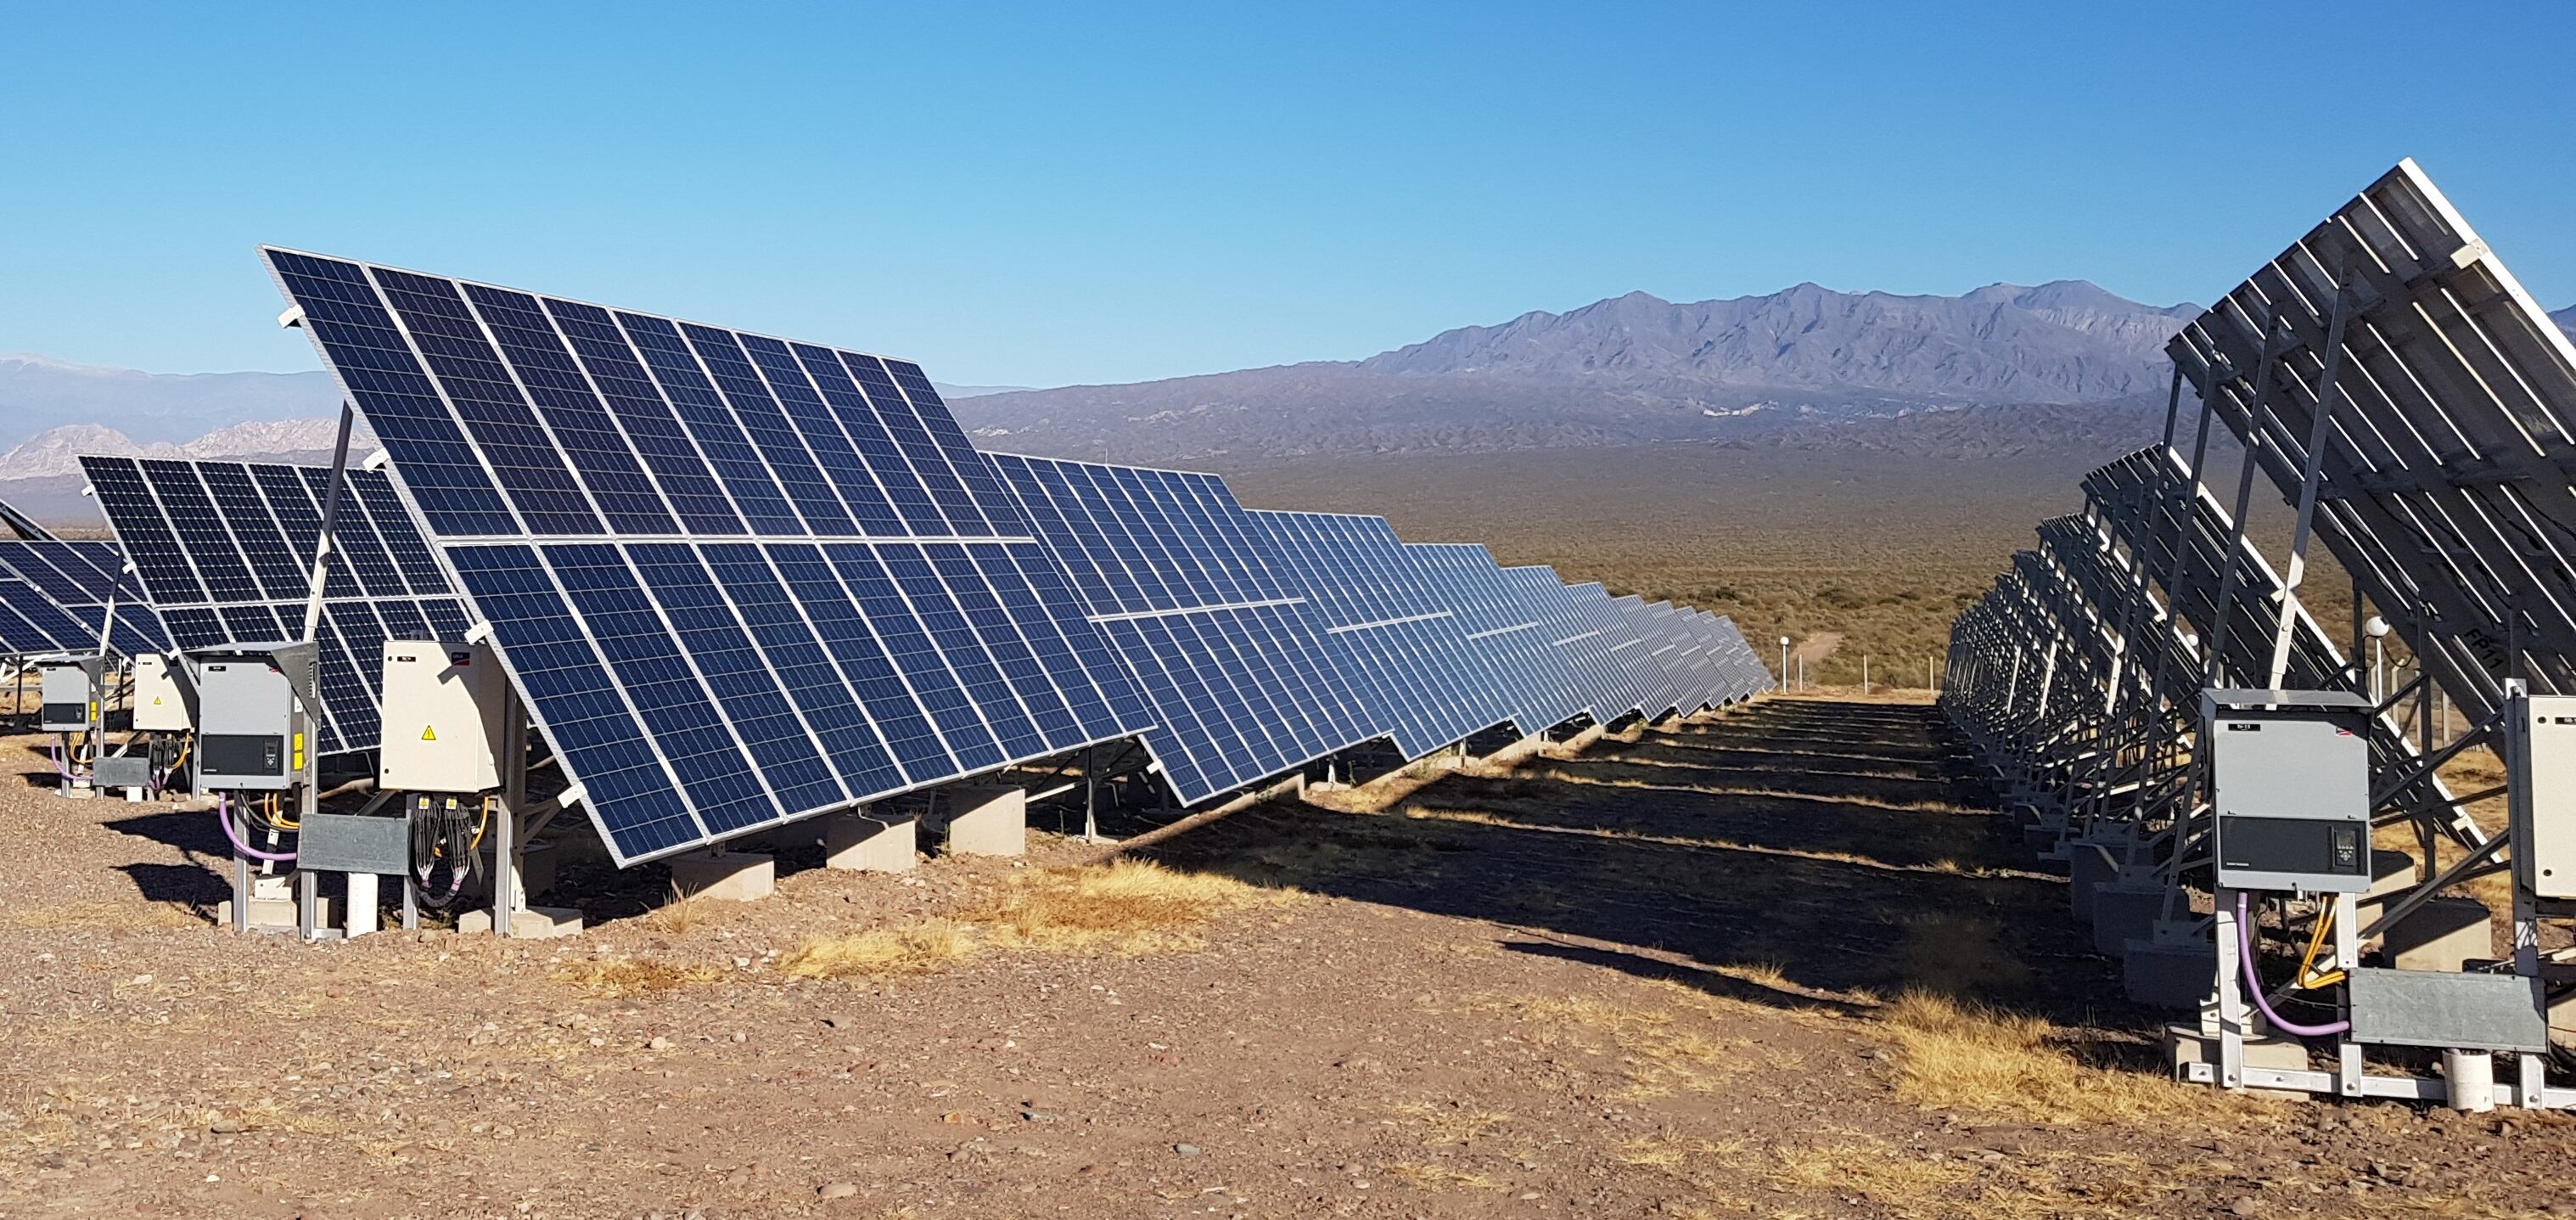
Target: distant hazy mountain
x: 2566, y: 320
x: 56, y: 451
x: 37, y: 394
x: 1632, y: 369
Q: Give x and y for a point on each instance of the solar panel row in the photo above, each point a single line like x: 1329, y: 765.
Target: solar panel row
x: 225, y: 551
x: 741, y: 580
x: 55, y: 596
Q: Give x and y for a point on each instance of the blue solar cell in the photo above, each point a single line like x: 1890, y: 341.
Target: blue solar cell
x: 394, y: 528
x: 523, y: 457
x: 729, y: 451
x: 957, y: 643
x: 711, y: 765
x: 823, y: 696
x: 844, y: 631
x: 908, y: 644
x: 158, y: 560
x: 200, y: 530
x: 913, y: 438
x: 787, y: 756
x: 678, y: 469
x: 780, y: 444
x: 834, y: 452
x: 361, y: 549
x: 581, y: 426
x: 626, y: 783
x: 1011, y: 650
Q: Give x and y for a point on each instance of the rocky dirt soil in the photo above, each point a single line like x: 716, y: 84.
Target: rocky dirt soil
x: 1777, y: 963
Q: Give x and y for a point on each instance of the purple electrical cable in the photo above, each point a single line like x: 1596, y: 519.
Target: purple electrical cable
x: 2254, y: 982
x: 224, y: 814
x: 60, y: 768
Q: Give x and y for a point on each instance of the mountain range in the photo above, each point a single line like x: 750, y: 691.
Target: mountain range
x: 2005, y: 369
x: 1634, y: 369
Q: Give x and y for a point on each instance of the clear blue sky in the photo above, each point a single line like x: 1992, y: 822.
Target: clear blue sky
x: 1042, y: 196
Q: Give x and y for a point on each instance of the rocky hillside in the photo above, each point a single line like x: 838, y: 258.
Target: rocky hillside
x: 1630, y: 370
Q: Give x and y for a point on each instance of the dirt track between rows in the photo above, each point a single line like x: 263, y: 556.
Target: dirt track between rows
x: 1716, y: 970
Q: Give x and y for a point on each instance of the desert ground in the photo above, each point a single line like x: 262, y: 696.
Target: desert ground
x: 1782, y: 961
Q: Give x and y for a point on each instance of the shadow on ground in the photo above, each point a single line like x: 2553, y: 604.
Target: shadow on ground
x: 1796, y: 852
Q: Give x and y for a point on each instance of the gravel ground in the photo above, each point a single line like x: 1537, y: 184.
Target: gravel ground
x: 1660, y: 977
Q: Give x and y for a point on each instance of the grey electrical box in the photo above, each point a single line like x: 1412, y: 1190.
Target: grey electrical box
x: 2290, y: 788
x: 71, y: 692
x: 118, y: 771
x: 251, y: 735
x: 354, y: 843
x: 2540, y: 775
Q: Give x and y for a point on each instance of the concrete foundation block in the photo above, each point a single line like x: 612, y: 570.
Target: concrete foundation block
x: 277, y: 912
x: 2562, y: 1020
x: 2392, y: 874
x: 867, y: 843
x: 986, y: 820
x: 2443, y: 934
x: 534, y: 923
x: 2168, y: 974
x: 2186, y: 1045
x: 725, y: 876
x: 2124, y: 911
x: 2088, y: 864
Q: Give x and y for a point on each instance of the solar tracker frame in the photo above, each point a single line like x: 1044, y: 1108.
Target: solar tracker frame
x: 2451, y: 447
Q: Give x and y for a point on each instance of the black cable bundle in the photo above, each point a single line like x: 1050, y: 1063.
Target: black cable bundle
x: 445, y: 835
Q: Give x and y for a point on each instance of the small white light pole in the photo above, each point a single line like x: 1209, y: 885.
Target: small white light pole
x: 2377, y: 630
x: 1864, y: 675
x: 1784, y: 661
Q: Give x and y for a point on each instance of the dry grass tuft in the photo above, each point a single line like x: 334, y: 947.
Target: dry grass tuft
x: 910, y: 949
x: 634, y: 976
x: 677, y: 914
x: 1659, y: 1054
x: 1134, y: 906
x: 1130, y: 906
x: 109, y: 916
x: 1869, y: 1168
x: 1967, y: 1057
x: 1452, y: 1123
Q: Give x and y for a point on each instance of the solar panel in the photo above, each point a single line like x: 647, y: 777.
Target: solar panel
x: 1505, y: 632
x: 1195, y: 599
x: 740, y: 580
x: 55, y: 595
x: 1746, y: 675
x: 1604, y: 624
x: 1390, y: 632
x: 225, y: 552
x: 1601, y: 685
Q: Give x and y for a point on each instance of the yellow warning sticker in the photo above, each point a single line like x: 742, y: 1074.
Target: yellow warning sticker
x: 428, y: 734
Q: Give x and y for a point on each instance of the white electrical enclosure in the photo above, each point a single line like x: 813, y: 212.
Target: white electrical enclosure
x: 444, y: 707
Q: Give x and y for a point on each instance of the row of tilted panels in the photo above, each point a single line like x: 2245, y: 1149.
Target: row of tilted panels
x: 740, y: 581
